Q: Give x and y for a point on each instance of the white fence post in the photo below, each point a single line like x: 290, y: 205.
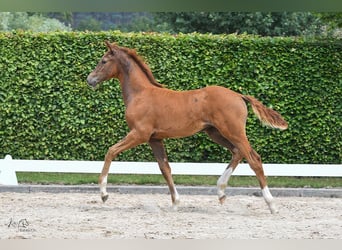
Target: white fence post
x: 7, y: 172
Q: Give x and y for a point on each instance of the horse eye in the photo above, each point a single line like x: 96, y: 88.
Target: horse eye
x: 103, y: 62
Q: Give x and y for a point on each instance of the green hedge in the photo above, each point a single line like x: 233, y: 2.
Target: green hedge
x: 47, y: 110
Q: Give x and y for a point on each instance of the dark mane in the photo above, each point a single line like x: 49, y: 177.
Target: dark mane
x: 143, y: 66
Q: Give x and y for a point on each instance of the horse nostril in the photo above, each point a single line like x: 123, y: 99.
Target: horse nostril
x: 92, y: 80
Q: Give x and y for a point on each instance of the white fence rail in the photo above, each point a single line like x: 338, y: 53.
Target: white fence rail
x: 9, y: 167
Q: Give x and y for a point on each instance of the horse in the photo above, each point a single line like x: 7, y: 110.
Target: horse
x: 154, y: 112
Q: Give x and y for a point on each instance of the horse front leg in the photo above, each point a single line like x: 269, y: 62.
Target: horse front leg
x: 161, y: 157
x: 131, y: 140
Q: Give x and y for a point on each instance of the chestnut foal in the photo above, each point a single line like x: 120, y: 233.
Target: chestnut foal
x: 154, y: 113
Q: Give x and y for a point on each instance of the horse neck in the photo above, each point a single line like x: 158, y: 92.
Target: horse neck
x: 133, y: 81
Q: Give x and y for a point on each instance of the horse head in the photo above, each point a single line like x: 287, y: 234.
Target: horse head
x: 107, y: 67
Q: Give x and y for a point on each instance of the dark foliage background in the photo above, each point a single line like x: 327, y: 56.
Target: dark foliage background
x: 47, y: 111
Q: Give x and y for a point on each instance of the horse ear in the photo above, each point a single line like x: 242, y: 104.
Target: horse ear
x: 109, y: 46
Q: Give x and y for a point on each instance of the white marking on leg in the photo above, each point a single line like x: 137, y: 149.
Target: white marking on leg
x: 176, y: 195
x: 177, y: 200
x: 223, y: 181
x: 103, y: 186
x: 269, y: 199
x: 267, y: 194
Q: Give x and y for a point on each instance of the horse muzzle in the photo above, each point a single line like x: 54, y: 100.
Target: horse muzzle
x: 92, y: 81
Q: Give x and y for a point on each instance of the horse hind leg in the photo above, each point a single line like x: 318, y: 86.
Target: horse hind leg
x: 240, y: 145
x: 161, y: 157
x: 222, y: 182
x: 254, y: 161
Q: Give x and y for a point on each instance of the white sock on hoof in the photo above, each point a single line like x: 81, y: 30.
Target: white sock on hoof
x: 103, y: 186
x: 269, y: 199
x: 222, y: 182
x: 176, y: 202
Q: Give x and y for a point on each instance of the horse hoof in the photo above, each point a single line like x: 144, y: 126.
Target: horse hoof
x: 174, y: 207
x: 104, y: 198
x: 222, y: 199
x: 175, y: 204
x: 273, y: 209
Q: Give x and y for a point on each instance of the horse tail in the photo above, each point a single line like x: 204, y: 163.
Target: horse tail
x: 266, y: 115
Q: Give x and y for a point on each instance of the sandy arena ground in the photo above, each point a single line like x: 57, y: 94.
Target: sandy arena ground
x: 140, y: 216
